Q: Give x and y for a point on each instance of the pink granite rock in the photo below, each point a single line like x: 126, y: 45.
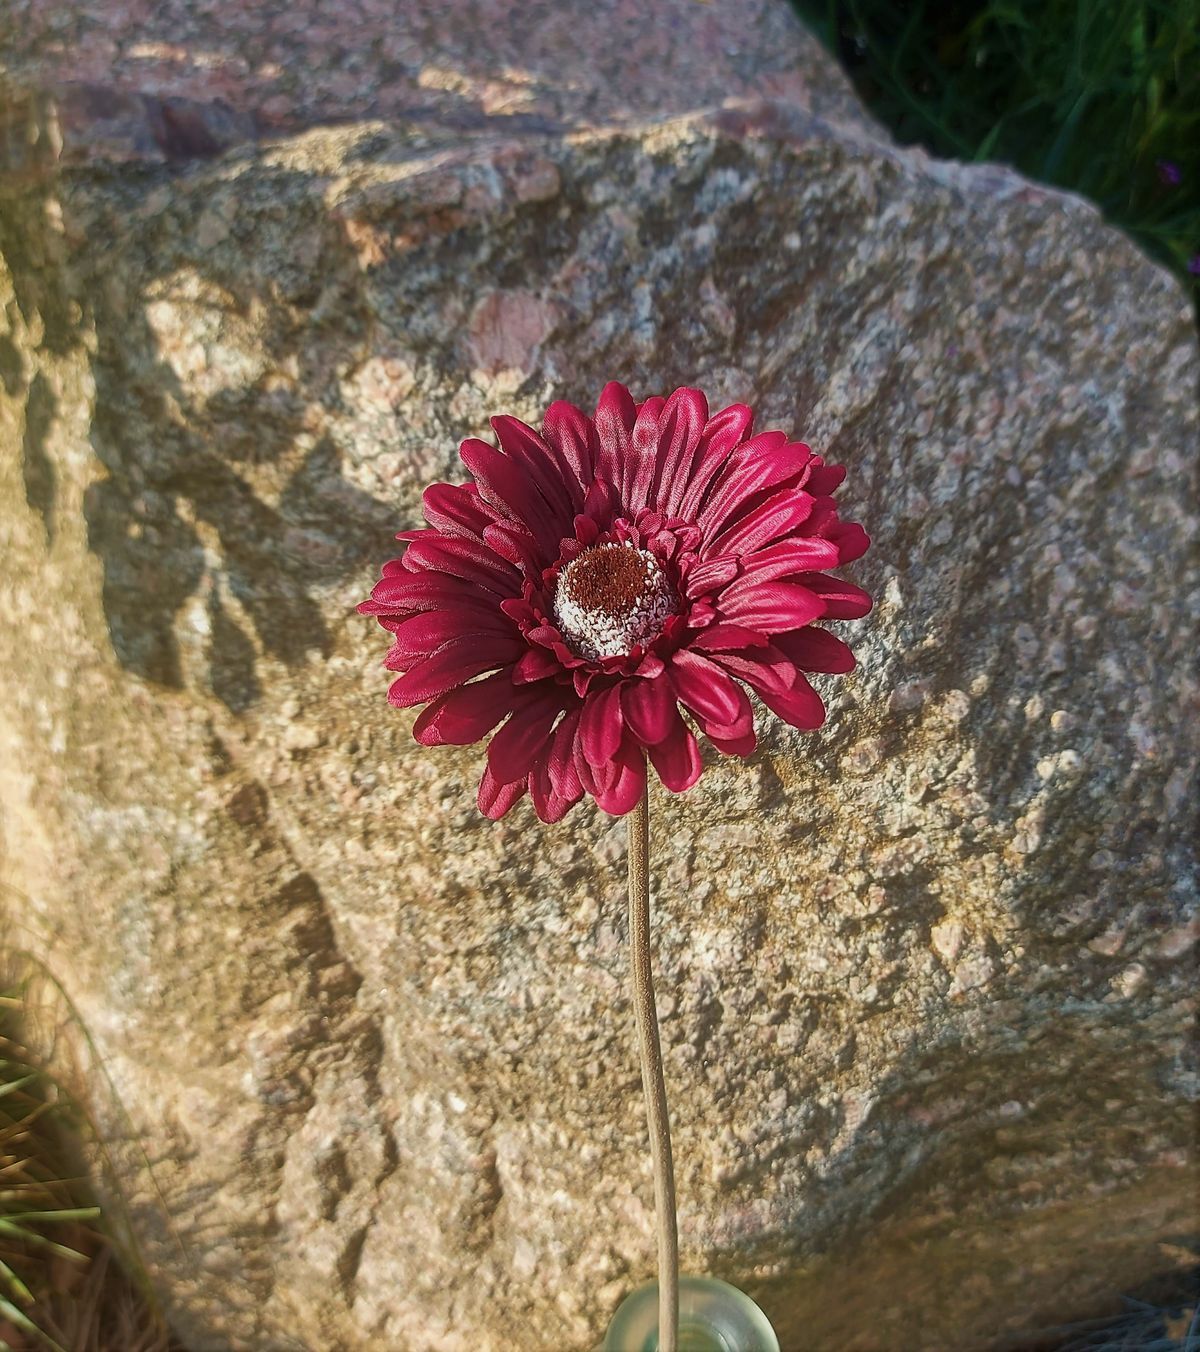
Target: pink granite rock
x: 926, y: 976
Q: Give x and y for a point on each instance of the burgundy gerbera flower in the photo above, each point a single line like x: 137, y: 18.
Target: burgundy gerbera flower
x: 603, y: 583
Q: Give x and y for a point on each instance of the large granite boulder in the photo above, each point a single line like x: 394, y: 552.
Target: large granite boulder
x: 924, y: 975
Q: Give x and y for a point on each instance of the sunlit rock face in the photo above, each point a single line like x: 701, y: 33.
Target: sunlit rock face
x: 925, y: 975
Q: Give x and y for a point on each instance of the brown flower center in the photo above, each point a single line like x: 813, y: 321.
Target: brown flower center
x: 610, y: 598
x: 610, y: 580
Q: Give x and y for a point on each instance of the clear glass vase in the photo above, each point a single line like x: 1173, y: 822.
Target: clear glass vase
x: 713, y: 1317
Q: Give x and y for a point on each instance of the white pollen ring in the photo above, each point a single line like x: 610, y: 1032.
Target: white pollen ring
x: 593, y: 631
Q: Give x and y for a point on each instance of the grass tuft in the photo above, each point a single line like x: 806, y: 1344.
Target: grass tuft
x: 63, y: 1287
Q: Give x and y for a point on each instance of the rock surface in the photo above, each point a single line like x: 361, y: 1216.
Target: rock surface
x: 925, y: 975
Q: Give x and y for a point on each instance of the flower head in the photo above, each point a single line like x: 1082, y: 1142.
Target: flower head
x: 606, y: 585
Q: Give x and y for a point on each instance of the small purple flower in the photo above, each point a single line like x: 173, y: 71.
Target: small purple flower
x: 1194, y: 265
x: 1169, y: 173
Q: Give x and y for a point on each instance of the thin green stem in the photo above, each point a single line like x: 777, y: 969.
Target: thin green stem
x: 653, y: 1086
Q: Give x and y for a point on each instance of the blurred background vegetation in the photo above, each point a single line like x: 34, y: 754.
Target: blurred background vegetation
x: 1100, y: 97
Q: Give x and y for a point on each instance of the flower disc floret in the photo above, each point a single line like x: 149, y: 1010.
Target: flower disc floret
x: 611, y: 599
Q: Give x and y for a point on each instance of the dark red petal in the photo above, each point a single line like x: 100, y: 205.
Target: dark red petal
x: 851, y: 540
x: 843, y: 600
x: 554, y: 782
x: 763, y: 669
x: 649, y: 709
x: 507, y: 486
x: 677, y: 757
x: 707, y: 690
x: 765, y: 461
x: 401, y: 592
x: 568, y: 431
x: 512, y: 751
x: 770, y: 607
x: 802, y: 554
x: 728, y: 638
x: 515, y: 545
x: 615, y: 415
x: 637, y: 477
x: 541, y: 464
x: 722, y: 433
x: 535, y: 664
x: 739, y: 744
x: 815, y: 650
x: 600, y: 502
x: 455, y: 509
x: 465, y: 714
x: 465, y: 558
x: 601, y: 726
x: 494, y: 798
x: 774, y: 517
x: 619, y: 785
x: 681, y: 425
x: 453, y: 664
x: 422, y: 634
x: 800, y: 706
x: 706, y: 577
x: 824, y: 479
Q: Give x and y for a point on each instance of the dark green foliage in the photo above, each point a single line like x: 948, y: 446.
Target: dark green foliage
x: 1101, y: 97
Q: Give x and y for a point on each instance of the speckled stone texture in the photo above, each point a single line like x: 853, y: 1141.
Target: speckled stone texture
x: 925, y: 976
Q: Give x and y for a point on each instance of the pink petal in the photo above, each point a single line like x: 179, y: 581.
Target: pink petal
x: 843, y: 600
x: 601, y: 726
x: 776, y: 516
x: 706, y: 690
x: 615, y: 415
x: 677, y: 757
x: 453, y: 664
x: 649, y: 709
x: 681, y: 426
x: 494, y: 798
x: 770, y: 607
x: 465, y: 714
x: 815, y: 650
x: 512, y: 751
x: 722, y: 433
